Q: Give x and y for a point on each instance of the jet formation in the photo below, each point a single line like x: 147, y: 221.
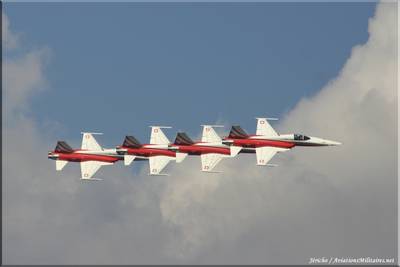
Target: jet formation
x: 211, y: 149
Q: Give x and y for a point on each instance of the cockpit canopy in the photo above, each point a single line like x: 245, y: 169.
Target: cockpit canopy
x: 301, y: 137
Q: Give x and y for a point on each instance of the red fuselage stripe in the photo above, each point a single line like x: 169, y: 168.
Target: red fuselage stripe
x: 198, y: 150
x: 78, y: 157
x: 148, y: 152
x: 254, y: 143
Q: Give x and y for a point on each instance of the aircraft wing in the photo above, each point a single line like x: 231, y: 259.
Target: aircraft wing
x: 157, y: 136
x: 89, y: 168
x: 264, y: 128
x: 90, y: 143
x: 158, y: 163
x: 266, y: 153
x: 209, y: 135
x: 209, y: 161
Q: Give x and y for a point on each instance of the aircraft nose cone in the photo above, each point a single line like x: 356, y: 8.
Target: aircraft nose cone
x: 51, y: 155
x: 332, y: 143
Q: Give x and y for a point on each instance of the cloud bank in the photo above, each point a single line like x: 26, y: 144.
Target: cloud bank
x: 338, y: 201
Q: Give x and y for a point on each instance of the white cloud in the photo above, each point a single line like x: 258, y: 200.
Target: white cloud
x: 357, y: 108
x: 10, y: 39
x: 23, y: 77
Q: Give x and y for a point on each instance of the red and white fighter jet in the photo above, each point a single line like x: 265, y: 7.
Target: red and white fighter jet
x: 210, y: 148
x: 267, y: 142
x: 91, y: 156
x: 157, y: 152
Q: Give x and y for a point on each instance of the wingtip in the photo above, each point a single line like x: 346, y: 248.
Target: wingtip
x: 91, y: 133
x: 266, y: 118
x: 212, y: 125
x: 159, y: 174
x: 212, y: 171
x: 158, y: 126
x: 91, y: 179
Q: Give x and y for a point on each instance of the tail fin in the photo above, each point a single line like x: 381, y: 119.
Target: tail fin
x: 183, y: 139
x: 131, y: 142
x: 157, y: 136
x: 237, y: 132
x: 63, y: 147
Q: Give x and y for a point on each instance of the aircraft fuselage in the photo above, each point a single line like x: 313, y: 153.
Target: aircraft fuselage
x: 202, y: 148
x: 253, y: 143
x: 287, y: 141
x: 147, y: 151
x: 82, y: 155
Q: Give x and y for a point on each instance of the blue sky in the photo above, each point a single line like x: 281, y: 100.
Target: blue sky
x: 118, y: 68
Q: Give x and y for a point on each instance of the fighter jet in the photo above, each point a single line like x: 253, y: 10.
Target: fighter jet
x: 267, y: 142
x: 210, y: 148
x: 91, y: 156
x: 157, y: 152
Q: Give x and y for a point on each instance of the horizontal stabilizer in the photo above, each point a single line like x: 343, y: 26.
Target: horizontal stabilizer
x: 180, y: 157
x: 63, y: 147
x: 128, y: 159
x: 60, y: 164
x: 235, y: 150
x: 131, y: 142
x: 238, y: 133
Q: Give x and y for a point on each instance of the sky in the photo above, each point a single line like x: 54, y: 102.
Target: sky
x: 182, y: 64
x: 324, y: 69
